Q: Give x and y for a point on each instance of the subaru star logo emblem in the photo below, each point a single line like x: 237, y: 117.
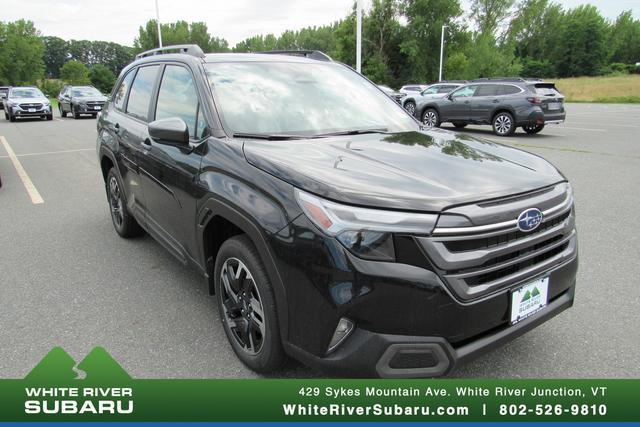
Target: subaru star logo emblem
x: 529, y: 220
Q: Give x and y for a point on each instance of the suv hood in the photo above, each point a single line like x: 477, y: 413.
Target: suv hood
x: 28, y: 100
x: 420, y: 171
x: 89, y: 98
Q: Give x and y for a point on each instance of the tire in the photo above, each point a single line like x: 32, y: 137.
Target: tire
x: 62, y: 112
x: 410, y: 106
x: 532, y: 129
x: 6, y: 115
x: 431, y: 118
x: 503, y: 124
x: 124, y: 223
x: 248, y: 305
x: 74, y: 113
x: 460, y: 125
x: 50, y: 117
x: 12, y: 118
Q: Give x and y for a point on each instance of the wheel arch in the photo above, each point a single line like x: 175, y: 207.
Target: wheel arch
x: 218, y: 221
x: 503, y: 109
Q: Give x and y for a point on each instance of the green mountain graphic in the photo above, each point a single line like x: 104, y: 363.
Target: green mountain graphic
x: 58, y: 366
x: 535, y: 292
x: 101, y: 367
x: 526, y: 296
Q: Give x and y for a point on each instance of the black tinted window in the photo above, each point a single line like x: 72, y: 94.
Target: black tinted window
x: 445, y: 89
x: 121, y: 93
x: 177, y: 97
x: 488, y: 90
x: 141, y: 89
x: 509, y: 90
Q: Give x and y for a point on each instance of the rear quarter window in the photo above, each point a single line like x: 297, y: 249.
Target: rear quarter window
x: 120, y: 94
x: 509, y: 90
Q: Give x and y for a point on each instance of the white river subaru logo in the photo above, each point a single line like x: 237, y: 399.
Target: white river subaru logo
x: 529, y: 220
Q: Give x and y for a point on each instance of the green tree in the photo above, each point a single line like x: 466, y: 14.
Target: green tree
x: 102, y: 78
x: 180, y: 32
x: 54, y: 56
x: 75, y: 73
x: 490, y: 15
x: 421, y: 39
x: 583, y: 48
x: 21, y: 50
x: 624, y: 39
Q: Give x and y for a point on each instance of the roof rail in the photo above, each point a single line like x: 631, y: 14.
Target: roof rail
x: 508, y: 79
x: 189, y: 49
x: 311, y: 54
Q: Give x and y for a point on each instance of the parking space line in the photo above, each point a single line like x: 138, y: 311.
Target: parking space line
x: 587, y: 129
x: 36, y: 199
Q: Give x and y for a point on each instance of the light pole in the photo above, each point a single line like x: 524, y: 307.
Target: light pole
x: 158, y: 22
x: 359, y: 36
x: 441, y: 51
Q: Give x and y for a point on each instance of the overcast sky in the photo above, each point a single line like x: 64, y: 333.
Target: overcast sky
x: 235, y: 20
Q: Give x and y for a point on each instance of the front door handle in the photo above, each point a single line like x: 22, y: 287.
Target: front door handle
x: 146, y: 143
x: 116, y: 128
x: 495, y: 101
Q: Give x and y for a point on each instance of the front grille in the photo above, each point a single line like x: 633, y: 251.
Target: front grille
x: 31, y: 105
x: 502, y: 239
x: 95, y: 103
x: 478, y: 260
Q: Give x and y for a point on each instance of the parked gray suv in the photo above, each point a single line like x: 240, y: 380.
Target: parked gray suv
x: 506, y: 104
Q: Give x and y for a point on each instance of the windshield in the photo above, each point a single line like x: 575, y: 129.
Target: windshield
x: 85, y: 91
x: 26, y: 92
x: 304, y: 99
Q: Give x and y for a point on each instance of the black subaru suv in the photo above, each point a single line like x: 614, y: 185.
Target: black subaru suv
x: 339, y: 233
x: 503, y: 103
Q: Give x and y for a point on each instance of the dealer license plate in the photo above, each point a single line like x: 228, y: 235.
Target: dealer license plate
x: 554, y: 105
x: 529, y: 299
x: 97, y: 108
x: 32, y: 110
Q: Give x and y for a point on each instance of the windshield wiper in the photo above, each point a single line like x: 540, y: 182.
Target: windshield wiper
x: 274, y: 137
x: 354, y: 132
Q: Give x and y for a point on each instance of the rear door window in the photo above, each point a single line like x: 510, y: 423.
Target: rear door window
x: 488, y: 90
x: 141, y: 90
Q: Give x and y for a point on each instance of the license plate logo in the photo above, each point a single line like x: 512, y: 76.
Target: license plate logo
x: 32, y: 110
x: 554, y: 105
x: 529, y: 299
x: 97, y: 108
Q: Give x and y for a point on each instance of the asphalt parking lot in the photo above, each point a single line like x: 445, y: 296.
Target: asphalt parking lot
x: 67, y: 279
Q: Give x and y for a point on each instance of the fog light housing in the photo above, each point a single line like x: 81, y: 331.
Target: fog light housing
x: 343, y: 330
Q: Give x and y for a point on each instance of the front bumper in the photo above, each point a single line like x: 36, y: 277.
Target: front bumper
x: 370, y: 354
x: 19, y: 112
x: 89, y: 108
x: 409, y: 323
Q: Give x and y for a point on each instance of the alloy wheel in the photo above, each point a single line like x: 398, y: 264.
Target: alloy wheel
x: 410, y: 107
x: 503, y: 124
x: 115, y: 202
x: 243, y: 310
x: 430, y: 118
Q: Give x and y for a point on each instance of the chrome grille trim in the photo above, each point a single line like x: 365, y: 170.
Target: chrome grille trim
x: 505, y: 226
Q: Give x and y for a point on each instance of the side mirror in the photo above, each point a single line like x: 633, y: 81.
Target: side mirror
x: 172, y: 131
x: 450, y: 97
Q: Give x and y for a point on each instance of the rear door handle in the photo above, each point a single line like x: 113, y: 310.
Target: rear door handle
x: 146, y: 143
x: 495, y: 101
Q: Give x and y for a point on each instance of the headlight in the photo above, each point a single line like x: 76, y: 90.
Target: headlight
x: 368, y: 233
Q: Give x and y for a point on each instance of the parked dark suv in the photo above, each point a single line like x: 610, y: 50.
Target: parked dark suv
x: 338, y: 233
x: 79, y: 100
x: 505, y: 104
